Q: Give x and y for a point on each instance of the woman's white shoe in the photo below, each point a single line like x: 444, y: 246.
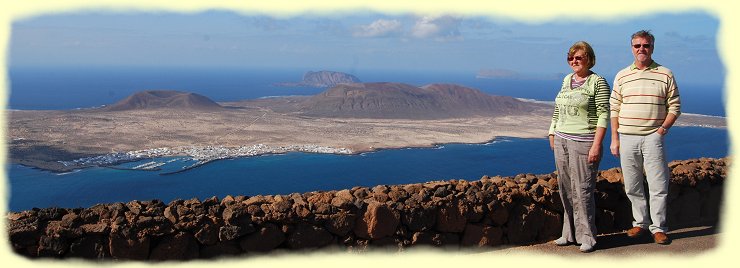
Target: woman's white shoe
x: 561, y: 242
x: 586, y: 248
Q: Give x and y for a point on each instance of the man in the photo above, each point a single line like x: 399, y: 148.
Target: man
x: 644, y: 106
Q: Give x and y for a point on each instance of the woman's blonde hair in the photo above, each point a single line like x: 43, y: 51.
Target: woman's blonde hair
x: 582, y: 45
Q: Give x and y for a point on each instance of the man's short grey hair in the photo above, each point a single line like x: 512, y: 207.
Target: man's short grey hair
x: 644, y: 34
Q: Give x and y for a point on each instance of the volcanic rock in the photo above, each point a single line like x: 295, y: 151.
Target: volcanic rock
x: 181, y: 246
x: 378, y: 221
x: 266, y: 239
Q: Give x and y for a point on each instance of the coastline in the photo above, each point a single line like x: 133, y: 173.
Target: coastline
x: 60, y: 167
x: 200, y: 154
x: 224, y: 153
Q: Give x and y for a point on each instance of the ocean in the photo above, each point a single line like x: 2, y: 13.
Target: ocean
x: 70, y: 88
x: 295, y: 172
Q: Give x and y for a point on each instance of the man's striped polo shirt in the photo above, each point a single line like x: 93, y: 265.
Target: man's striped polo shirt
x: 642, y: 98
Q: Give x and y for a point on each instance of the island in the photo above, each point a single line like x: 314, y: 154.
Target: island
x: 322, y: 79
x: 345, y: 119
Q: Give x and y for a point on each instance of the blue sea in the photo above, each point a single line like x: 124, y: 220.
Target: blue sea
x: 70, y: 88
x: 296, y: 172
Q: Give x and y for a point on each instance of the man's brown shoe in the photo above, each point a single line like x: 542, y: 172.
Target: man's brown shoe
x: 661, y: 238
x: 635, y: 231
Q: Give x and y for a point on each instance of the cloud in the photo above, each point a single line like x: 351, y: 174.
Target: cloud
x: 379, y: 28
x: 542, y: 40
x: 265, y: 23
x: 496, y: 73
x: 441, y: 28
x: 686, y: 38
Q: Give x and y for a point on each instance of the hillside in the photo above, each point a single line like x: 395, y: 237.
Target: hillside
x: 403, y: 101
x: 158, y: 99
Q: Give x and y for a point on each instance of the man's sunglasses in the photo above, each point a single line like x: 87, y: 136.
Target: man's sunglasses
x: 642, y: 45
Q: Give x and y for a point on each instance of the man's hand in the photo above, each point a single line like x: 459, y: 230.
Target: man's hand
x: 662, y: 131
x: 614, y: 147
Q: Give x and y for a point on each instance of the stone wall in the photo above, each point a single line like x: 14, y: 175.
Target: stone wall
x: 489, y: 212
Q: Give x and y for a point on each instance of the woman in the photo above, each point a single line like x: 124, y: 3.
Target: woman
x: 577, y: 129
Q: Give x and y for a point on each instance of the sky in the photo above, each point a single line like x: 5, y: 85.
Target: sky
x: 360, y: 41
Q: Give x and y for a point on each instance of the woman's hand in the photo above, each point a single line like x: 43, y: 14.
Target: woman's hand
x: 594, y: 154
x: 552, y: 141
